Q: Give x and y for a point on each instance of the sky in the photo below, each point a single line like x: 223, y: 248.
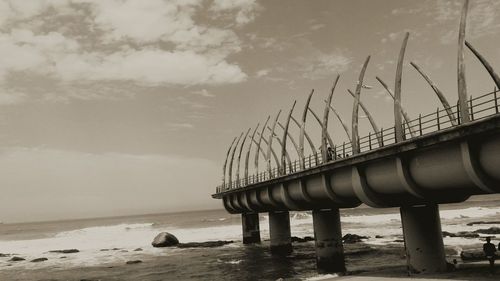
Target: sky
x: 119, y: 107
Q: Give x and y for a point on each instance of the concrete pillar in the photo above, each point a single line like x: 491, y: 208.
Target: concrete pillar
x: 328, y: 237
x: 279, y: 230
x: 251, y: 230
x: 423, y: 239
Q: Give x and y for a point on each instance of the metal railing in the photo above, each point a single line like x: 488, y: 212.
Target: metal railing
x: 479, y: 107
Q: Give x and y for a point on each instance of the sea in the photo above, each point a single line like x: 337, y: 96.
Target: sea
x: 106, y: 244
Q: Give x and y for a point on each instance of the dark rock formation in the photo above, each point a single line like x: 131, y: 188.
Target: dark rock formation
x: 491, y: 230
x: 39, y: 260
x: 66, y: 251
x: 208, y: 244
x: 302, y: 240
x: 165, y: 239
x: 474, y: 255
x: 138, y: 250
x: 483, y: 222
x: 4, y: 255
x: 352, y: 238
x: 133, y: 262
x: 17, y: 259
x: 464, y: 234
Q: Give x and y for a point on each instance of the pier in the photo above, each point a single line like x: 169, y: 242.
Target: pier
x: 441, y: 156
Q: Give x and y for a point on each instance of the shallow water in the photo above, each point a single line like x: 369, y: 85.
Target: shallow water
x: 105, y: 244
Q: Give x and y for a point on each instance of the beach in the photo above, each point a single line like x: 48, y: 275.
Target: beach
x: 120, y: 248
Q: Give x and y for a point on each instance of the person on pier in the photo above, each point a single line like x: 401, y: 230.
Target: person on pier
x: 489, y: 250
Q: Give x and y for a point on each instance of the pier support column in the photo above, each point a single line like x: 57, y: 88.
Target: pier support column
x: 423, y: 239
x: 279, y: 230
x: 328, y: 237
x: 251, y: 230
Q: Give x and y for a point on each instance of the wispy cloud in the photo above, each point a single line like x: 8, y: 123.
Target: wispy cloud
x: 204, y: 93
x: 148, y: 43
x: 321, y: 65
x: 180, y: 125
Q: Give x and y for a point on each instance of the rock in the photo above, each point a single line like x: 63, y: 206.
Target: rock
x: 208, y: 244
x: 474, y: 255
x: 39, y: 259
x: 133, y: 262
x: 464, y: 234
x: 483, y: 222
x: 302, y: 240
x: 4, y: 255
x: 138, y: 250
x: 352, y: 238
x: 399, y: 241
x: 379, y: 236
x: 17, y: 259
x: 165, y: 239
x: 491, y: 230
x: 66, y: 251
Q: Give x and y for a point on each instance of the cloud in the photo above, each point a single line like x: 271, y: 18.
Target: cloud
x: 481, y: 19
x: 9, y: 97
x: 180, y: 125
x: 317, y: 26
x: 262, y: 72
x: 322, y: 65
x: 148, y: 43
x: 204, y: 93
x: 246, y: 9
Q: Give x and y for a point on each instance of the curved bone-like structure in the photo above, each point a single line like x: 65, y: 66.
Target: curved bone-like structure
x: 398, y: 120
x: 462, y: 84
x: 280, y: 142
x: 264, y: 154
x: 302, y: 158
x: 355, y: 109
x: 311, y: 144
x: 225, y: 163
x: 403, y: 112
x: 485, y: 63
x: 273, y: 153
x: 247, y: 158
x: 324, y: 127
x: 329, y: 139
x: 239, y: 157
x: 232, y: 159
x: 270, y: 144
x: 370, y: 119
x: 438, y: 92
x: 285, y: 135
x: 346, y: 129
x: 256, y: 160
x: 289, y: 136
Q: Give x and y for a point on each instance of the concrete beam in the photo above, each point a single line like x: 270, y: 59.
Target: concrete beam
x: 251, y: 229
x: 279, y: 231
x: 328, y: 237
x: 423, y: 239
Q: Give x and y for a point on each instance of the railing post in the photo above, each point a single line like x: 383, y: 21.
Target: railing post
x: 381, y: 137
x: 334, y: 152
x: 458, y: 113
x: 343, y: 150
x: 496, y: 100
x: 471, y: 109
x: 420, y: 123
x: 370, y: 140
x: 437, y: 116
